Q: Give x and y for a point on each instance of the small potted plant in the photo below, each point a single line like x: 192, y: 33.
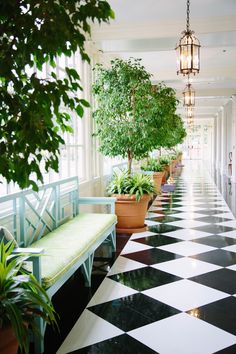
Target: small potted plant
x: 22, y: 300
x: 133, y: 191
x: 158, y: 171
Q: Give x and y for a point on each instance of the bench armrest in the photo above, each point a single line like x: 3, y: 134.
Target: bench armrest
x: 33, y: 255
x: 99, y: 200
x: 28, y: 250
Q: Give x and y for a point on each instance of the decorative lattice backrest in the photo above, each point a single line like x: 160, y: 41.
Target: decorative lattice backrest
x: 29, y: 215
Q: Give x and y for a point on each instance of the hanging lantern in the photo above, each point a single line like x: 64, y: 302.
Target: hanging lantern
x: 190, y: 114
x: 188, y: 51
x: 189, y: 95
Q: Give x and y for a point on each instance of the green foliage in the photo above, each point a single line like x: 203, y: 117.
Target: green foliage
x: 137, y: 184
x: 22, y: 299
x: 164, y: 160
x: 154, y: 165
x: 33, y: 111
x: 133, y: 118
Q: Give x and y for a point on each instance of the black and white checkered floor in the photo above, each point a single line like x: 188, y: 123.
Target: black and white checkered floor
x: 173, y: 288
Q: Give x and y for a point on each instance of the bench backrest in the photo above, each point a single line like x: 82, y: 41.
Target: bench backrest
x: 29, y: 215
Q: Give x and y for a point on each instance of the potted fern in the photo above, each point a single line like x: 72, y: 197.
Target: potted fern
x: 22, y: 300
x: 132, y: 192
x: 157, y: 169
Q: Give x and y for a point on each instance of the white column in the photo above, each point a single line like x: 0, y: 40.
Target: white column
x: 234, y: 138
x: 218, y: 141
x: 214, y: 144
x: 223, y: 156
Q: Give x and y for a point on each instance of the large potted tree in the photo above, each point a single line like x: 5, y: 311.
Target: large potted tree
x: 130, y: 112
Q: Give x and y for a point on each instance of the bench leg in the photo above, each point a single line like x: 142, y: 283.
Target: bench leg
x: 87, y: 267
x: 39, y: 337
x: 112, y: 241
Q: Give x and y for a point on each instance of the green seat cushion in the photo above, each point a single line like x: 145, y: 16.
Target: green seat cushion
x: 66, y: 244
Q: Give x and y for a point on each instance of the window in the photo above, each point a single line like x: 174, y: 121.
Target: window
x: 72, y: 159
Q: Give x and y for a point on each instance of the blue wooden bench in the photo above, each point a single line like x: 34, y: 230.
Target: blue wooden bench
x: 49, y: 222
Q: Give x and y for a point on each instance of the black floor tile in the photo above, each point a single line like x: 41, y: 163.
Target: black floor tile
x: 133, y: 311
x: 164, y: 218
x: 171, y: 206
x: 117, y: 345
x: 162, y: 228
x: 158, y: 240
x: 166, y: 212
x: 221, y: 279
x: 210, y: 206
x: 208, y: 199
x: 219, y: 257
x: 228, y: 350
x: 211, y: 212
x: 152, y: 256
x: 221, y: 314
x: 144, y: 278
x: 177, y: 200
x: 216, y: 241
x: 214, y: 229
x: 212, y: 219
x: 69, y: 308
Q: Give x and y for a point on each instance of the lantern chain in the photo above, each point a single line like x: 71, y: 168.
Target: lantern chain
x: 188, y: 12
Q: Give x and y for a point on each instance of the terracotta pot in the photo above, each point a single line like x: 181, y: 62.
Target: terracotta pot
x: 165, y: 175
x: 168, y: 169
x: 157, y: 178
x: 130, y: 213
x: 8, y: 341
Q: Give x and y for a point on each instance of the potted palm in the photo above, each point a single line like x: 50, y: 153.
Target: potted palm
x: 157, y: 169
x: 22, y: 300
x: 164, y: 160
x: 131, y: 117
x: 132, y: 194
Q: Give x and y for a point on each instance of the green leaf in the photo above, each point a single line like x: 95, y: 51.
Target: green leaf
x: 40, y: 35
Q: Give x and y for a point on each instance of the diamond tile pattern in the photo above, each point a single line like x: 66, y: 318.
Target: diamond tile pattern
x: 173, y: 288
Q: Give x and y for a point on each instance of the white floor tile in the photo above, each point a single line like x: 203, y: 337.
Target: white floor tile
x: 220, y: 202
x: 223, y: 208
x: 187, y: 234
x: 142, y: 234
x: 155, y: 208
x: 89, y: 329
x: 110, y: 290
x: 187, y: 248
x: 151, y: 223
x: 231, y: 234
x: 189, y: 208
x: 188, y: 215
x: 132, y: 246
x: 183, y: 334
x: 123, y: 264
x: 230, y: 248
x: 225, y: 215
x: 231, y: 223
x: 186, y: 267
x: 233, y: 267
x: 185, y: 294
x: 151, y: 215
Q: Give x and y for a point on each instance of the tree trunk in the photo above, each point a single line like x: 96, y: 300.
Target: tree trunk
x: 130, y: 158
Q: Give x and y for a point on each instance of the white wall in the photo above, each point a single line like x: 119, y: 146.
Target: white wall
x: 225, y: 139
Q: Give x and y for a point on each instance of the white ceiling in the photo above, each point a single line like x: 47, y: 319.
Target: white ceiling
x: 150, y: 29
